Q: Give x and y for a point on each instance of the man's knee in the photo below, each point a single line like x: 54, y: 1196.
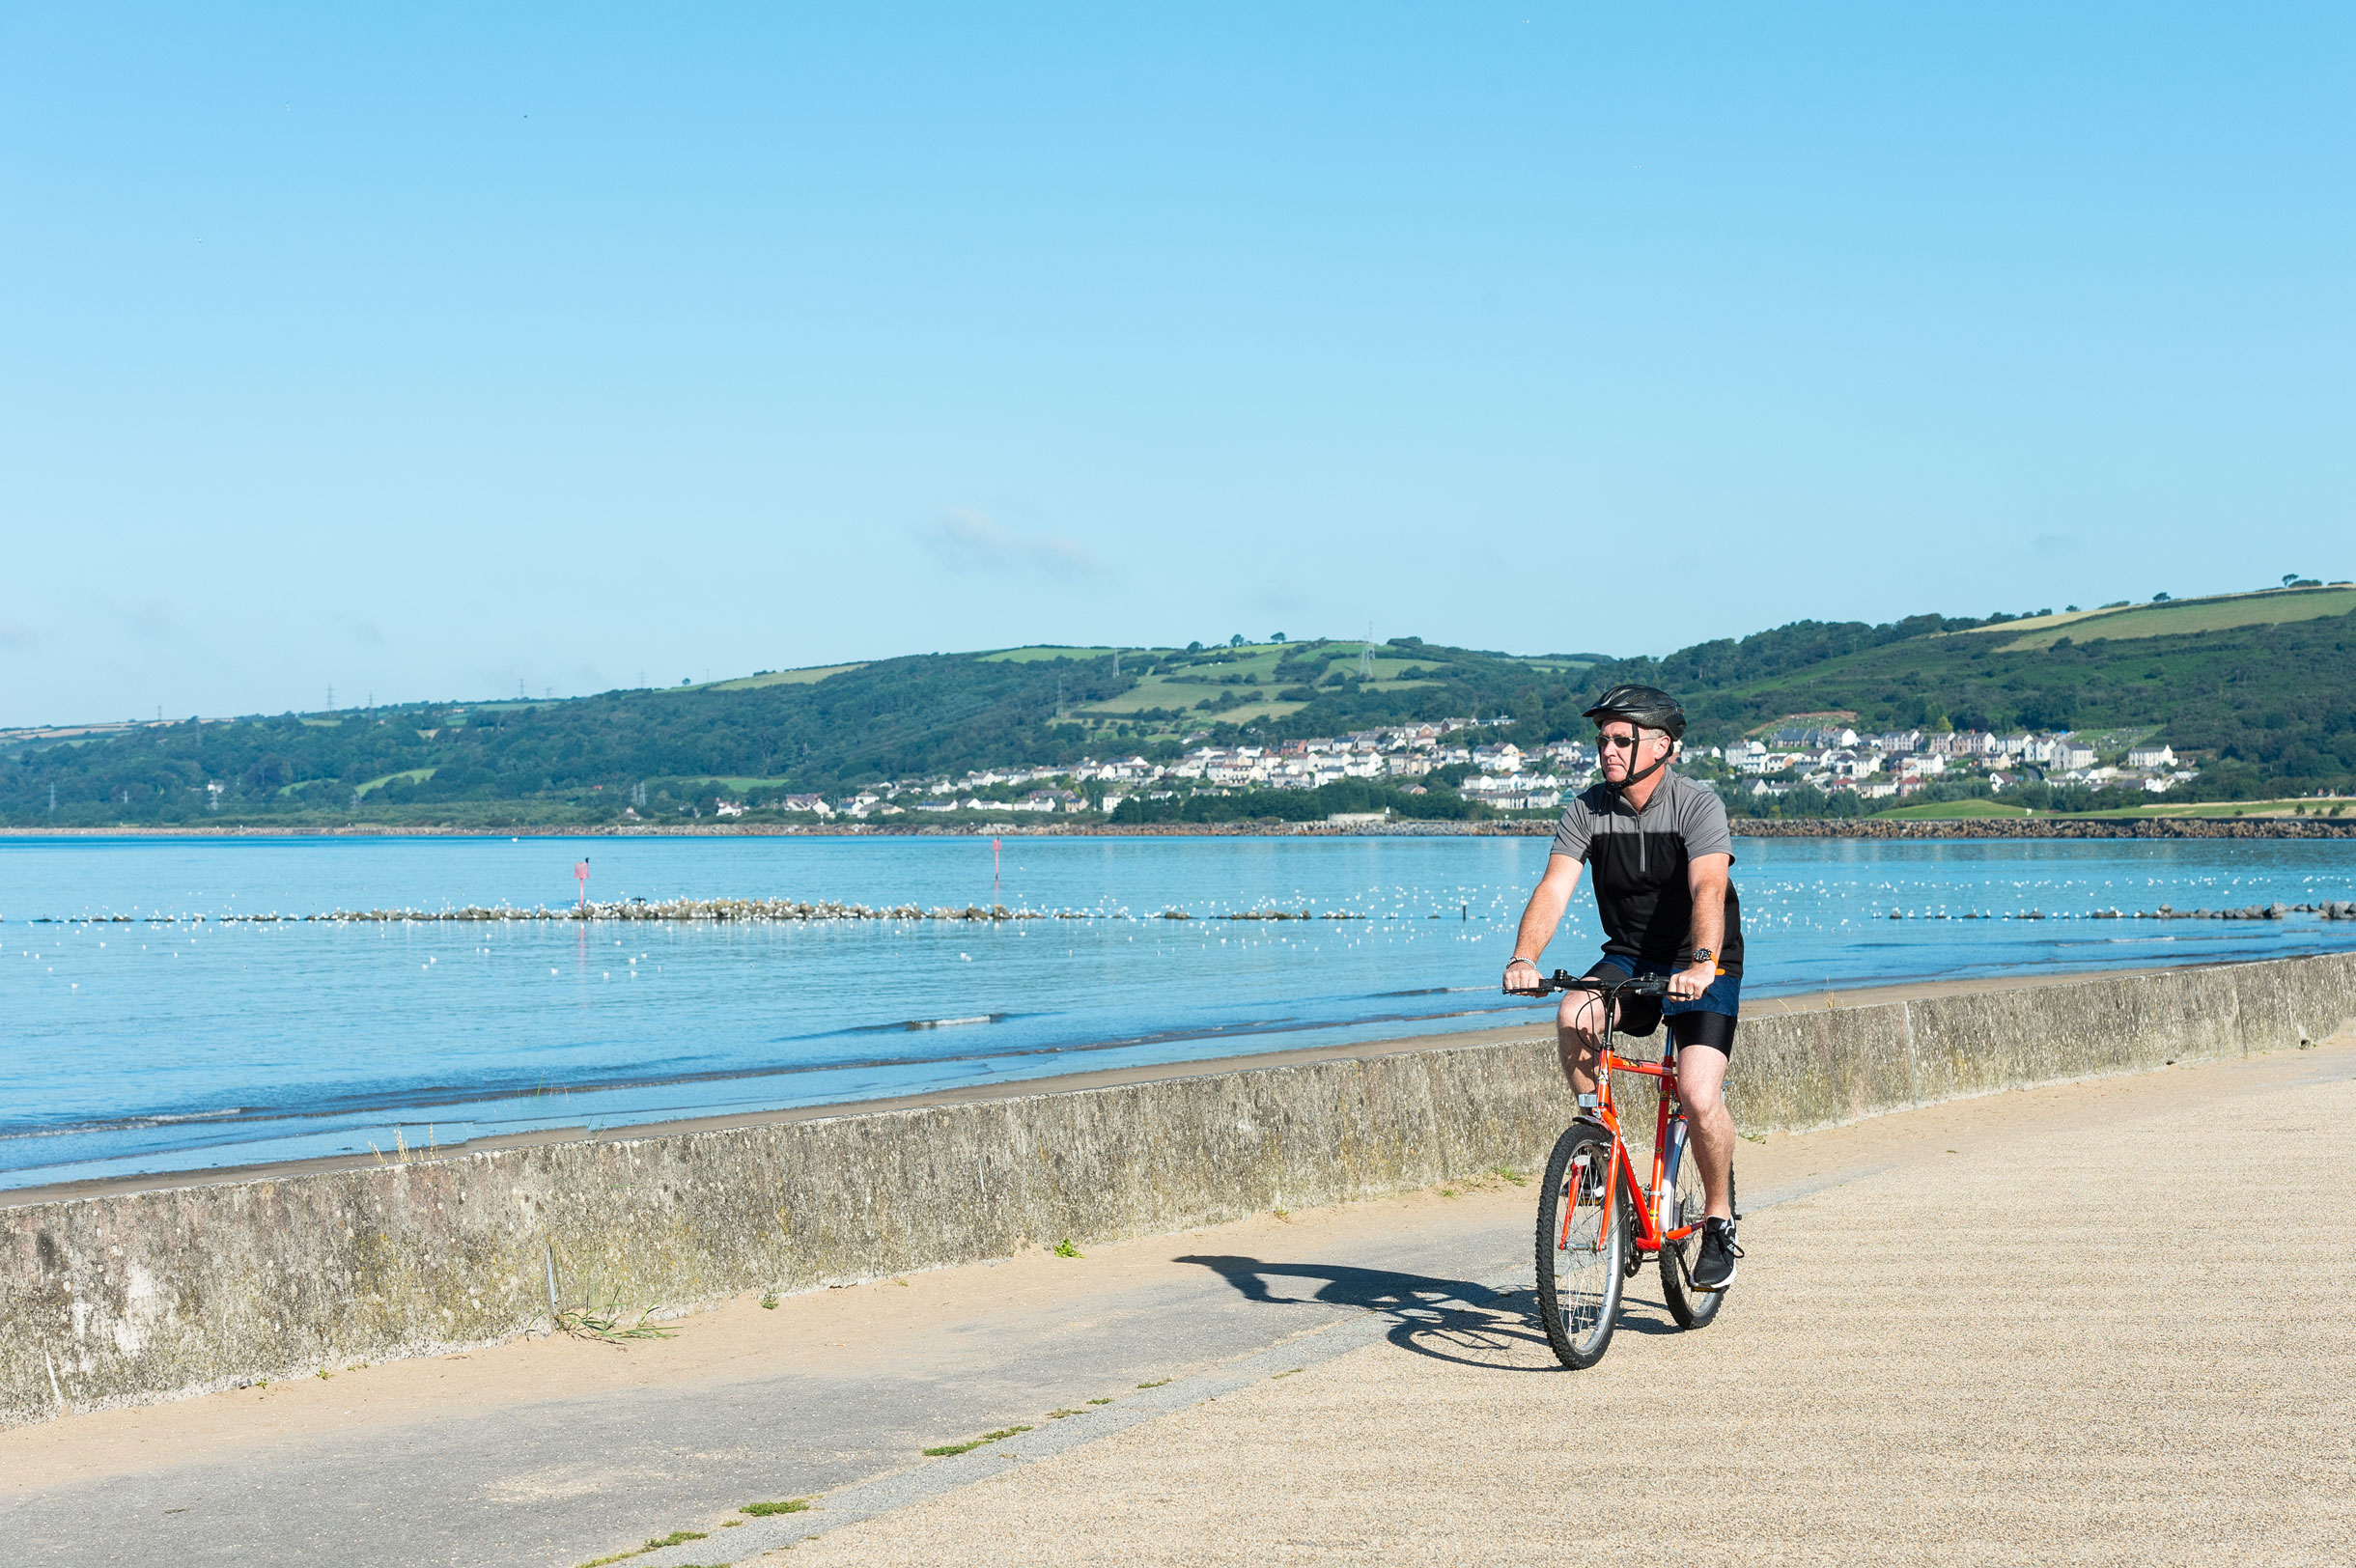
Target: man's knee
x: 1580, y: 1015
x: 1701, y: 1083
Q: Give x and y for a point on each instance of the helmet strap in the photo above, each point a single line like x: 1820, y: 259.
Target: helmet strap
x: 1639, y: 778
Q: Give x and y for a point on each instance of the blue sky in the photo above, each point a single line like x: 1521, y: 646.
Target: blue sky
x: 423, y: 352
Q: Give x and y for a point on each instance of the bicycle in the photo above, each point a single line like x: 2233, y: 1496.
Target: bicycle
x: 1597, y: 1223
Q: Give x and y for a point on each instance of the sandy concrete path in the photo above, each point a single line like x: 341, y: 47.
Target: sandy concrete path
x: 2112, y: 1325
x: 2106, y: 1324
x: 556, y: 1451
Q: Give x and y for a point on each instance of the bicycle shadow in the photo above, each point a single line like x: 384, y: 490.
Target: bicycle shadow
x: 1452, y: 1319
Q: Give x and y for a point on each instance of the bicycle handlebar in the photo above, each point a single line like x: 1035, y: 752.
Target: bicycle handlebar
x: 1640, y: 985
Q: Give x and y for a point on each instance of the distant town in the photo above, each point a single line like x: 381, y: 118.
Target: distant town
x: 1448, y: 754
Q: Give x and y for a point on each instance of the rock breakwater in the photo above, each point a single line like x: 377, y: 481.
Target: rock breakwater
x: 748, y: 910
x: 2048, y: 828
x: 2335, y: 909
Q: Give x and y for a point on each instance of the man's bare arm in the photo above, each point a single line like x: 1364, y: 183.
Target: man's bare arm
x: 1544, y: 913
x: 1706, y: 879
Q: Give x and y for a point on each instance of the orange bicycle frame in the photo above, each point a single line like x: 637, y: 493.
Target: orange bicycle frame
x: 1650, y: 1197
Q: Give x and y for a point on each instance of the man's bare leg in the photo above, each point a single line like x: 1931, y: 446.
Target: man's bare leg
x: 1578, y: 1029
x: 1701, y: 1078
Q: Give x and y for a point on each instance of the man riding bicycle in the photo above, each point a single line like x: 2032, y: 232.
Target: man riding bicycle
x: 1661, y: 851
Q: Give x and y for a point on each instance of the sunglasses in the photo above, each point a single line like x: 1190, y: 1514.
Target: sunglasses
x: 1622, y: 743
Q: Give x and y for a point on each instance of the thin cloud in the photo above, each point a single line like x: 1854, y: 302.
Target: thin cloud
x: 148, y: 618
x: 16, y: 634
x: 976, y: 541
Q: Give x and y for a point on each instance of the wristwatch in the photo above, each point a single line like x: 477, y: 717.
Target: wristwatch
x: 1703, y: 955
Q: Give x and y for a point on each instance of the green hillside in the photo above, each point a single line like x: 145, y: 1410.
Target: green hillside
x: 2264, y: 682
x: 2259, y: 687
x: 666, y: 751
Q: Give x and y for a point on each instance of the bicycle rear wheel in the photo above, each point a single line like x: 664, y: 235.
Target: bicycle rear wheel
x: 1693, y: 1309
x: 1581, y: 1250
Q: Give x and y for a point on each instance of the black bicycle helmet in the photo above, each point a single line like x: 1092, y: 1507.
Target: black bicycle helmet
x: 1648, y: 707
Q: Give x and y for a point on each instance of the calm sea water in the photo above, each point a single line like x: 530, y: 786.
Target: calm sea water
x: 146, y: 1047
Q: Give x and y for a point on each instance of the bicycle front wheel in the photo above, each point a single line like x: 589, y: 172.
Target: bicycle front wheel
x: 1692, y: 1306
x: 1582, y: 1249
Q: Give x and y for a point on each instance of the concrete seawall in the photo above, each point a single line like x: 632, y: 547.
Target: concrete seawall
x: 135, y: 1297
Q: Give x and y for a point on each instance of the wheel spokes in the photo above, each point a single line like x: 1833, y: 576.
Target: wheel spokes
x: 1583, y: 1266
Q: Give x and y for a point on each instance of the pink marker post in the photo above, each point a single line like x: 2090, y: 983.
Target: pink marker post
x: 580, y: 873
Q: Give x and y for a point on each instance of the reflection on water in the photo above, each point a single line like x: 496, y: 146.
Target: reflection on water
x: 153, y: 1046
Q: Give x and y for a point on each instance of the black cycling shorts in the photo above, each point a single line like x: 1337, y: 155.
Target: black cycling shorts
x: 1708, y: 1019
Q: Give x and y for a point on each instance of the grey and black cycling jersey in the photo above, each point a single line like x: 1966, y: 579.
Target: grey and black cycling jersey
x: 1638, y: 861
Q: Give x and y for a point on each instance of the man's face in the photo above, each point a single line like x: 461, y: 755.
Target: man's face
x: 1625, y: 750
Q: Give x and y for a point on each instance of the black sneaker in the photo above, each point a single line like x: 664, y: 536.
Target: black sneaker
x: 1714, y: 1270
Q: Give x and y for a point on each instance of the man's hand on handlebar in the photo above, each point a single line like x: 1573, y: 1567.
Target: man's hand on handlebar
x: 1687, y: 984
x: 1523, y: 979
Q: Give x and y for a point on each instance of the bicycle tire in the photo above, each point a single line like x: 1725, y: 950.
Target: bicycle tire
x: 1692, y: 1308
x: 1582, y: 1264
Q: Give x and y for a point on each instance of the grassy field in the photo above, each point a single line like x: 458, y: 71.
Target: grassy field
x: 746, y: 683
x: 2272, y: 607
x: 407, y: 775
x: 1194, y: 683
x: 1032, y: 656
x: 1951, y: 811
x: 1146, y: 695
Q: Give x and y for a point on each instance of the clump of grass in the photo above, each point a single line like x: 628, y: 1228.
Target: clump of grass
x: 1281, y: 1214
x: 322, y: 1374
x: 403, y: 1153
x: 607, y: 1327
x: 1059, y: 1414
x: 769, y: 1301
x: 1753, y: 1137
x: 1447, y: 1192
x: 789, y: 1505
x: 657, y: 1543
x: 948, y: 1449
x: 1099, y: 1401
x: 1156, y: 1383
x: 1065, y: 1250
